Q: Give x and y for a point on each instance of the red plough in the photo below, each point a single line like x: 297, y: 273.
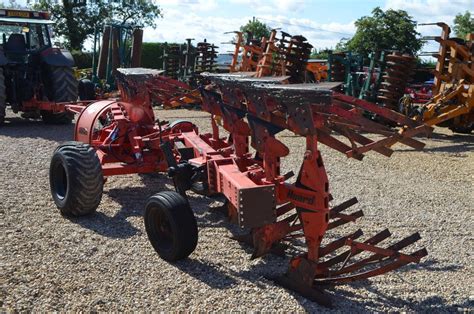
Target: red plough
x: 123, y: 137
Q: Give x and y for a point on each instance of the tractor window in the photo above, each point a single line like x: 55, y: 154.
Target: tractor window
x: 35, y: 37
x: 38, y: 36
x: 6, y: 30
x: 45, y: 31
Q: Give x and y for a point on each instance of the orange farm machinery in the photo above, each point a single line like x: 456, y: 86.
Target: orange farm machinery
x: 284, y: 56
x: 452, y: 103
x: 122, y: 137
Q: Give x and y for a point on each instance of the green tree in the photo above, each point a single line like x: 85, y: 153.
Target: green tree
x: 257, y: 28
x: 76, y: 20
x: 385, y: 30
x: 320, y: 53
x: 342, y: 45
x: 463, y: 24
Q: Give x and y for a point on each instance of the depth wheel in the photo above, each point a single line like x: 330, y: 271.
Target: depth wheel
x: 76, y: 179
x: 171, y: 226
x: 182, y: 125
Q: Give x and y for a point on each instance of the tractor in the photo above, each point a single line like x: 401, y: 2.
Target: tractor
x: 33, y: 75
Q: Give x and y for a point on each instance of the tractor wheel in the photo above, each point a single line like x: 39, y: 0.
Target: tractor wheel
x: 171, y: 226
x: 64, y: 89
x: 3, y: 97
x: 75, y: 177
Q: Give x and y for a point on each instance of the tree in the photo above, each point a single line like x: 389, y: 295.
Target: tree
x: 76, y: 20
x: 342, y: 45
x: 463, y: 24
x: 385, y: 30
x: 320, y: 54
x: 257, y: 28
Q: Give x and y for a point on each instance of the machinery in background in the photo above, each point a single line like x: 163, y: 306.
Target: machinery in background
x: 316, y: 71
x: 284, y: 56
x: 116, y: 45
x: 185, y: 61
x: 33, y: 75
x: 452, y: 103
x: 383, y: 81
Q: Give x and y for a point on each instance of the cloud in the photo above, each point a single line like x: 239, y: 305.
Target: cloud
x: 213, y: 28
x: 179, y: 24
x: 274, y: 5
x: 431, y: 11
x: 191, y: 5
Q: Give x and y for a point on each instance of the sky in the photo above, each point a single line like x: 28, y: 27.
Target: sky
x: 323, y: 22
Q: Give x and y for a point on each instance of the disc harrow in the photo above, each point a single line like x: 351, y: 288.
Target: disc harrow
x: 205, y: 57
x: 172, y: 59
x: 398, y: 70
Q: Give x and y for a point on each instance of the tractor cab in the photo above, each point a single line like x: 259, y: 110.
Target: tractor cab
x: 23, y: 33
x: 31, y: 70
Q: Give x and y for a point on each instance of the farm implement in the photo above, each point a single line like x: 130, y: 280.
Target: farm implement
x: 284, y: 56
x: 383, y: 81
x: 122, y: 137
x: 452, y: 103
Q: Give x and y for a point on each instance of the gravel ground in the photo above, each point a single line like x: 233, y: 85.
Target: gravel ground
x: 104, y: 262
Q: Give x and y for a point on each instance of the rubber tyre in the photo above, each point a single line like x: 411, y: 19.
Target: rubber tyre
x: 462, y: 129
x: 64, y: 87
x: 76, y: 180
x: 86, y: 90
x: 182, y: 125
x: 3, y: 97
x: 171, y: 226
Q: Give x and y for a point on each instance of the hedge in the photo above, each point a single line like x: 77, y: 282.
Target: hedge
x: 152, y: 55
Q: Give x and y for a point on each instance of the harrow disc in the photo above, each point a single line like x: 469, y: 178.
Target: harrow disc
x: 395, y: 79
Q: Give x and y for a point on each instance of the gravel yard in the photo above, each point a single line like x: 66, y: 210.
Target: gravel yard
x: 105, y: 262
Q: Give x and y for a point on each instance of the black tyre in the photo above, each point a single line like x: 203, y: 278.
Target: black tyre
x: 462, y: 129
x: 182, y: 125
x: 171, y: 226
x: 86, y: 90
x: 3, y: 97
x: 63, y: 89
x: 76, y: 180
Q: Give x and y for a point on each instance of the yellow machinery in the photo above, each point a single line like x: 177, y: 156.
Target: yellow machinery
x: 453, y: 103
x: 319, y: 70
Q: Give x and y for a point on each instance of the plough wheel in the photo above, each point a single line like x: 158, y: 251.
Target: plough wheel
x: 171, y: 225
x: 76, y: 180
x: 182, y: 125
